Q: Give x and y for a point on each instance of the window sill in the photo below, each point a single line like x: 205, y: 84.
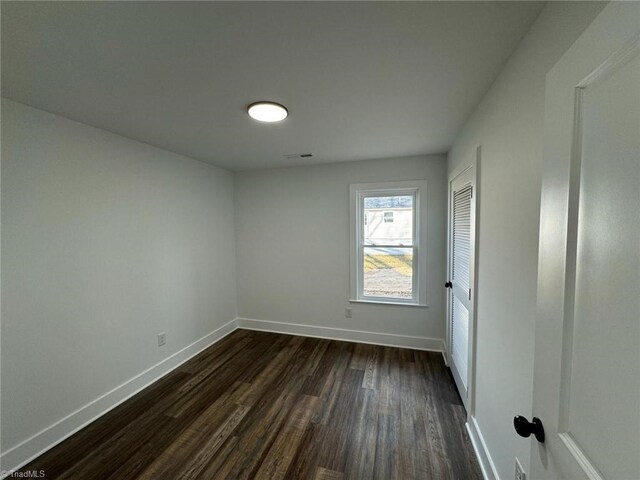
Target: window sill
x: 390, y: 302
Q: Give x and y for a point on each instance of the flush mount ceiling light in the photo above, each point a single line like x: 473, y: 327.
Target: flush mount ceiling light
x: 267, y: 111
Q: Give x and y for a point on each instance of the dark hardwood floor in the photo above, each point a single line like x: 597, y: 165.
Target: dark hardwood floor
x: 262, y: 405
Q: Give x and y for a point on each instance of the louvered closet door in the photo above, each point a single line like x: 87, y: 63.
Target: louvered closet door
x: 460, y: 258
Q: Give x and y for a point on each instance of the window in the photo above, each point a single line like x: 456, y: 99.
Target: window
x: 388, y: 264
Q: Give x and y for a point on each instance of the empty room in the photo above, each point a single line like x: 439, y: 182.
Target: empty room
x: 320, y: 240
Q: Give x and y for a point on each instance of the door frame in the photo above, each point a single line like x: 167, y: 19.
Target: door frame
x: 474, y: 164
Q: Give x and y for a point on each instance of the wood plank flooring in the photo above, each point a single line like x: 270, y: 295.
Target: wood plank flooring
x: 268, y: 406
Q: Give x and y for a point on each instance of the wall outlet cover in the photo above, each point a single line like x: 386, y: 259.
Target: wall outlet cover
x: 162, y: 339
x: 348, y: 312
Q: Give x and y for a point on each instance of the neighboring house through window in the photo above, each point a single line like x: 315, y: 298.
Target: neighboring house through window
x: 387, y: 243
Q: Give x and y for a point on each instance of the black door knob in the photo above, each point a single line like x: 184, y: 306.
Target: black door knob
x: 448, y: 285
x: 525, y: 428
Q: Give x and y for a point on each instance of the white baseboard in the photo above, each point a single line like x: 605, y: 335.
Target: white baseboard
x: 445, y: 358
x: 21, y: 454
x: 34, y: 446
x: 386, y: 339
x: 487, y: 466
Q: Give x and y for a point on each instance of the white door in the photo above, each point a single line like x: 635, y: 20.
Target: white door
x: 587, y: 347
x: 462, y: 198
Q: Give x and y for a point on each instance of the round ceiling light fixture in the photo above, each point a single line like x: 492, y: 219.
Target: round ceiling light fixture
x: 267, y: 112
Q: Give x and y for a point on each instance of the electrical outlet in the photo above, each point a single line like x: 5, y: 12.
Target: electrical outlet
x: 348, y: 312
x: 162, y: 339
x: 520, y: 475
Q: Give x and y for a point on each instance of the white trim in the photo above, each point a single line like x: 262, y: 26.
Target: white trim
x: 581, y: 459
x: 388, y: 302
x: 489, y: 471
x: 34, y: 446
x: 19, y: 455
x: 612, y: 63
x: 444, y: 357
x: 357, y: 191
x: 472, y: 168
x: 373, y: 338
x: 456, y: 172
x: 475, y: 251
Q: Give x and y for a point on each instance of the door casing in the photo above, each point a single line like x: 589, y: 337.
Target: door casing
x: 473, y: 166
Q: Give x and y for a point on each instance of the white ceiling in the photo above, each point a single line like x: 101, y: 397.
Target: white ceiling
x: 360, y: 79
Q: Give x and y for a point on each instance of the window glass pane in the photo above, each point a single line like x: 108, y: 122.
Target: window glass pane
x: 389, y: 220
x: 388, y: 272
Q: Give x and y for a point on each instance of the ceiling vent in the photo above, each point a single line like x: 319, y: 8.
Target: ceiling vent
x: 299, y: 155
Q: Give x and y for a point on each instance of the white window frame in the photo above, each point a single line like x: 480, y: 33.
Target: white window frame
x: 357, y: 193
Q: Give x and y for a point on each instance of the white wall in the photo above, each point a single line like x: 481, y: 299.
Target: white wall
x: 105, y: 243
x: 292, y: 230
x: 508, y: 124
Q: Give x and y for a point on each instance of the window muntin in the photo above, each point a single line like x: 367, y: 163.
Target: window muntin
x: 385, y: 253
x: 387, y: 270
